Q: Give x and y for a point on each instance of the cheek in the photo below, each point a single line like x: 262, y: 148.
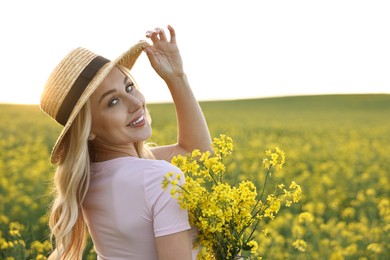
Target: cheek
x: 139, y: 96
x: 103, y: 123
x: 96, y: 120
x: 148, y: 117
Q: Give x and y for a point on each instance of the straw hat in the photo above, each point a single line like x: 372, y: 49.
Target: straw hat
x: 73, y: 81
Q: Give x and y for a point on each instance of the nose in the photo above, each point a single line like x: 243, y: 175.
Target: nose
x: 135, y: 102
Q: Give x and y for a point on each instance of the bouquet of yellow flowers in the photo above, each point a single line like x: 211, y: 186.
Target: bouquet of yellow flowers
x: 226, y: 214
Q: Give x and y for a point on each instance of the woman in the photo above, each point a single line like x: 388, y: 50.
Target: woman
x: 107, y: 179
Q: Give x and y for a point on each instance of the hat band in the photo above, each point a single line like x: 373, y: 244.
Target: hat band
x: 78, y: 88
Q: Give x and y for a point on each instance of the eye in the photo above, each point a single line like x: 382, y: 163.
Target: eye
x: 129, y: 87
x: 113, y: 102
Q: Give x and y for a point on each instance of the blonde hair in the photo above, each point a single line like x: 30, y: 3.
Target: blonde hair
x: 71, y: 180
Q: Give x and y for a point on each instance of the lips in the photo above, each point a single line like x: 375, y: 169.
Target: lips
x: 136, y: 121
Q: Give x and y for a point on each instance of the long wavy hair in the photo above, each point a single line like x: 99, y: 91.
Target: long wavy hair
x: 71, y: 182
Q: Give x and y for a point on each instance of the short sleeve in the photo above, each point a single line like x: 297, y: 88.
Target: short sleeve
x: 168, y: 217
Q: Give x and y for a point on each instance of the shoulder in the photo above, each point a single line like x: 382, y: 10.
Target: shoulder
x: 132, y: 171
x: 161, y: 166
x: 150, y: 170
x: 157, y: 170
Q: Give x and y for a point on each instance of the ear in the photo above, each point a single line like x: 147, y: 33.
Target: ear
x: 91, y: 136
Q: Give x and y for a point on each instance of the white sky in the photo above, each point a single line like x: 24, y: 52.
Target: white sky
x: 231, y: 49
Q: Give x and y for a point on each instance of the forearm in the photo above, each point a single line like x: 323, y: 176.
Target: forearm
x: 193, y: 132
x: 53, y: 255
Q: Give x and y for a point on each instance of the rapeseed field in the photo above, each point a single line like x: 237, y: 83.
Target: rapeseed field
x: 337, y: 149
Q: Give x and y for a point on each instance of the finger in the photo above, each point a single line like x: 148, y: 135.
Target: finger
x: 161, y: 34
x: 151, y: 56
x: 172, y: 34
x: 148, y: 34
x: 153, y: 35
x: 146, y: 47
x: 148, y: 51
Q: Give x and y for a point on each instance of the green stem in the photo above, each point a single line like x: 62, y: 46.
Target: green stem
x: 262, y: 193
x: 265, y: 182
x: 211, y: 173
x: 181, y: 187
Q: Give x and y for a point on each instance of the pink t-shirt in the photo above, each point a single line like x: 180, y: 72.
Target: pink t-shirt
x: 126, y: 208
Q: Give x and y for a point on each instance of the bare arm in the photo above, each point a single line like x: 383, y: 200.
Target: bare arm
x: 174, y: 247
x: 53, y: 255
x: 193, y: 132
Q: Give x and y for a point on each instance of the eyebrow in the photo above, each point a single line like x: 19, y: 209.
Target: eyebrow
x: 106, y: 94
x: 126, y: 80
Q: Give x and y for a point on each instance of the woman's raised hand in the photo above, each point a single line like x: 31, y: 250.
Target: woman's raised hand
x: 163, y: 54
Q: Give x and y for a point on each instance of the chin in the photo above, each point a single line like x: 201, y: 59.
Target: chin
x: 145, y: 136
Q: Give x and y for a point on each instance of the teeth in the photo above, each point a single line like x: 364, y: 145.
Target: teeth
x: 137, y: 121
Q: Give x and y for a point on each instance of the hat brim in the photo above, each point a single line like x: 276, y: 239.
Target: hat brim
x: 127, y: 59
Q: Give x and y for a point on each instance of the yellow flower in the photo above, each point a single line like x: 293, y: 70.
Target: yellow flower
x: 4, y: 219
x: 274, y: 158
x: 351, y: 250
x: 40, y: 257
x: 348, y: 212
x: 14, y: 233
x: 39, y: 247
x: 166, y: 180
x: 253, y: 245
x: 15, y: 228
x: 297, y: 231
x: 3, y: 244
x: 196, y: 153
x: 273, y: 208
x: 384, y: 208
x: 300, y: 245
x: 305, y: 217
x: 223, y: 146
x: 375, y: 248
x: 297, y: 191
x: 226, y: 214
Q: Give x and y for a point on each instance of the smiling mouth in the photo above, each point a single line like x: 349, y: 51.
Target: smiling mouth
x: 138, y: 120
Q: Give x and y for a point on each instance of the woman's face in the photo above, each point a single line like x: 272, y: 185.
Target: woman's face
x: 118, y: 111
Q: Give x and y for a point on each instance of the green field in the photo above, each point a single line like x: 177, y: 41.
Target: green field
x: 337, y: 149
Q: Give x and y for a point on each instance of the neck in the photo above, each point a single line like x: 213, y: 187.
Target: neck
x: 104, y: 152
